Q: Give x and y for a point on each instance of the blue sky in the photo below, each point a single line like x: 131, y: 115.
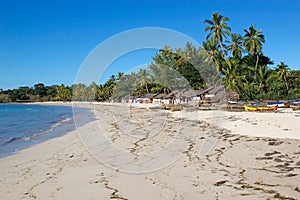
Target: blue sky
x: 47, y: 41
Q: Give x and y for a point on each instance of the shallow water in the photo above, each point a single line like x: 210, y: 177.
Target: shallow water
x: 24, y: 125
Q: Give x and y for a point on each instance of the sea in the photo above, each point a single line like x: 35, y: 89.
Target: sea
x: 24, y: 125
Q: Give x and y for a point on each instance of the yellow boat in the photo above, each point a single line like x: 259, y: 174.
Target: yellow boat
x: 249, y: 109
x: 268, y: 108
x: 259, y: 108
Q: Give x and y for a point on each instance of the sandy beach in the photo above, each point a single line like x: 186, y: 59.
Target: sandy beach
x: 131, y: 152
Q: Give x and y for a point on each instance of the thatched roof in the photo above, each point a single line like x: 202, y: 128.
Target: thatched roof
x: 232, y: 95
x: 191, y: 93
x: 150, y: 95
x: 206, y: 90
x: 217, y: 89
x: 171, y: 94
x: 160, y: 96
x: 187, y: 94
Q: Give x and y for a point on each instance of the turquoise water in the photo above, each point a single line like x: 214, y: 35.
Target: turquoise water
x: 24, y: 125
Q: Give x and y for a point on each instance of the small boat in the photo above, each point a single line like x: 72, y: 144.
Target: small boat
x: 267, y: 108
x: 232, y: 102
x: 295, y: 107
x: 249, y: 108
x: 297, y: 101
x: 278, y: 103
x: 260, y: 108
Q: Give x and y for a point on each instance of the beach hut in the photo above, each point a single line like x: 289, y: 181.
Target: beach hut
x: 145, y: 98
x: 214, y: 94
x: 149, y: 97
x: 173, y: 97
x: 217, y: 94
x: 190, y: 95
x: 158, y: 99
x: 205, y: 91
x: 232, y: 95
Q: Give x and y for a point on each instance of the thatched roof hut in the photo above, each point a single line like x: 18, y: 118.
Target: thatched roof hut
x: 203, y: 92
x: 191, y: 93
x: 150, y: 95
x: 171, y: 94
x: 160, y: 96
x: 232, y: 95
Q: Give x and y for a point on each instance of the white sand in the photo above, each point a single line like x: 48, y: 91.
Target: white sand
x: 154, y: 154
x: 281, y: 124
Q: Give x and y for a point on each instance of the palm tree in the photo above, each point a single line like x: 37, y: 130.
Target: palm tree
x: 91, y: 91
x: 218, y: 29
x: 185, y: 55
x: 143, y: 75
x: 212, y: 49
x: 180, y: 58
x: 189, y: 51
x: 120, y: 75
x: 166, y: 53
x: 283, y: 71
x: 236, y: 45
x: 63, y: 93
x: 100, y: 93
x: 264, y: 77
x: 253, y: 40
x: 109, y: 87
x: 231, y: 78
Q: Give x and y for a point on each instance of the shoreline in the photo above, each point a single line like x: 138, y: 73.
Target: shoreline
x: 57, y: 127
x: 236, y: 166
x: 235, y: 122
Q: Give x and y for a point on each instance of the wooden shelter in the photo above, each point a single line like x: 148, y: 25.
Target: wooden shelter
x: 232, y: 95
x: 158, y: 99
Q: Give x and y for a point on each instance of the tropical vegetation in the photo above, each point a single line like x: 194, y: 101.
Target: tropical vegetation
x: 235, y: 60
x: 243, y: 65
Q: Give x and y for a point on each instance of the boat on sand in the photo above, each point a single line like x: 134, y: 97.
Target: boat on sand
x: 295, y: 107
x: 280, y: 104
x: 260, y: 108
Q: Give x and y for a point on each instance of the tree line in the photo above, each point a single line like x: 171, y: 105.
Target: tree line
x: 243, y: 66
x: 230, y: 59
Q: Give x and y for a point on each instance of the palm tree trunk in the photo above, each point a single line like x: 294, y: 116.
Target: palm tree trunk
x: 223, y: 52
x: 147, y: 88
x: 256, y: 65
x: 286, y: 85
x: 222, y: 49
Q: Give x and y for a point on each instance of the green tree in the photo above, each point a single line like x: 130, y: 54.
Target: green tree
x: 119, y: 76
x: 51, y: 92
x: 253, y: 41
x: 235, y: 46
x: 232, y: 79
x: 40, y: 90
x: 108, y: 87
x: 218, y: 29
x: 100, y: 93
x: 144, y: 78
x: 264, y: 77
x: 12, y: 95
x: 91, y: 92
x: 177, y: 70
x: 63, y: 93
x: 214, y: 54
x: 79, y: 92
x: 126, y: 86
x: 283, y: 71
x: 294, y: 80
